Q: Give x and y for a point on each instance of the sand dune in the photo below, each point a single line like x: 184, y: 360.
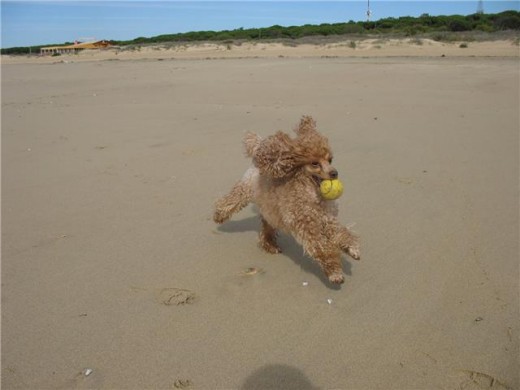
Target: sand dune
x: 366, y: 47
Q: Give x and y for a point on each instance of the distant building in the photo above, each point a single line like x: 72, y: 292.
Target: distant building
x: 75, y: 48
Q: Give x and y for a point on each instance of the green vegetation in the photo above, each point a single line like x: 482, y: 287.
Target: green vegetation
x: 438, y: 27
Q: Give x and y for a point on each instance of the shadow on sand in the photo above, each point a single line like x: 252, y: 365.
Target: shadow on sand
x: 277, y: 376
x: 290, y: 248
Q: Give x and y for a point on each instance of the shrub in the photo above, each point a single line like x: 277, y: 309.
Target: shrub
x: 508, y: 22
x: 440, y: 37
x: 441, y: 28
x: 352, y: 29
x: 484, y: 27
x: 459, y: 25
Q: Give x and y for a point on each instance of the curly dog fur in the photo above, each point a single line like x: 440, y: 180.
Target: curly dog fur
x: 284, y: 184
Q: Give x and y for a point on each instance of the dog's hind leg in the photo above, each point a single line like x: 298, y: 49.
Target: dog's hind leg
x: 267, y: 238
x: 239, y: 197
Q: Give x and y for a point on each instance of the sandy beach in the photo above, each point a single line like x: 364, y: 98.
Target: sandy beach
x: 114, y: 276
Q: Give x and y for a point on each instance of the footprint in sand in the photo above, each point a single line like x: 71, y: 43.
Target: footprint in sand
x: 175, y: 296
x: 183, y: 384
x: 252, y: 271
x: 483, y: 381
x: 170, y: 296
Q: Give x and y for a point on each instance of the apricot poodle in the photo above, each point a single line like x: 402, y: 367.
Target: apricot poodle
x: 284, y: 183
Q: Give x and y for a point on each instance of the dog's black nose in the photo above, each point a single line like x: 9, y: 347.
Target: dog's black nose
x: 333, y: 174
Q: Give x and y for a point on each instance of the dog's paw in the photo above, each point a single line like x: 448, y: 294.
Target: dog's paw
x: 336, y: 278
x: 352, y: 249
x: 270, y: 247
x: 219, y: 217
x: 354, y: 252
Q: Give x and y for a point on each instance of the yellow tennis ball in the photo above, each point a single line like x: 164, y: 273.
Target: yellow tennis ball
x: 331, y: 189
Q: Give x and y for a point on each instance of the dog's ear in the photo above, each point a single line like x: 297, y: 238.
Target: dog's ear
x: 306, y: 126
x: 275, y: 156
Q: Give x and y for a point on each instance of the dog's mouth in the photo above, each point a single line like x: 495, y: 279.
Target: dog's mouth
x: 317, y: 180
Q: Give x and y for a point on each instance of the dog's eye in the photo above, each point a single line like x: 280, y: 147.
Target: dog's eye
x: 330, y: 160
x: 315, y: 164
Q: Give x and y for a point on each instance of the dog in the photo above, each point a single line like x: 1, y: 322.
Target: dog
x: 284, y: 184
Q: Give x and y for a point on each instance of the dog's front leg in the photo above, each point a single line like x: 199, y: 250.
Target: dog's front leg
x: 330, y: 261
x: 325, y: 252
x: 348, y: 242
x: 314, y: 232
x: 333, y: 270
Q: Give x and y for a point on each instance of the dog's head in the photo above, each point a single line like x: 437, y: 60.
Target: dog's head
x: 280, y: 155
x: 314, y: 155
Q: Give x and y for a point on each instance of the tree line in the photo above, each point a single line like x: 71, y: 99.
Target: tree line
x: 406, y: 25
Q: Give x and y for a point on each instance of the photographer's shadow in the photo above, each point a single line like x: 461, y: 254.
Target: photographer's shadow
x: 277, y: 376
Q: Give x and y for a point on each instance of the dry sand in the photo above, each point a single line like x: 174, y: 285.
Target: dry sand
x: 366, y: 47
x: 109, y: 172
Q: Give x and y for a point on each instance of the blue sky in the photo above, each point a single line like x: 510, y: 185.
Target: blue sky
x: 26, y: 23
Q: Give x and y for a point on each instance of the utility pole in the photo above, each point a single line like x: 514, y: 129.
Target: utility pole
x: 480, y: 7
x: 368, y: 11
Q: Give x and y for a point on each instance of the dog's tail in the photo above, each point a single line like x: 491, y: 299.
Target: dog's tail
x: 251, y: 143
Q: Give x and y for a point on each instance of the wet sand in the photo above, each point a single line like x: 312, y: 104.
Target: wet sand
x: 111, y: 262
